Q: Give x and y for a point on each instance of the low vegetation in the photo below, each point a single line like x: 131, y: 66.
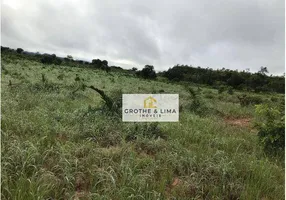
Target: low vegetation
x: 271, y: 126
x: 243, y: 80
x: 62, y: 136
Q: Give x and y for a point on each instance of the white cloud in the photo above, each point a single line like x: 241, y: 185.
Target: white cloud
x: 232, y: 34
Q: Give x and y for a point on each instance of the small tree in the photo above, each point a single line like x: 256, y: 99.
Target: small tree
x: 96, y: 63
x: 47, y: 59
x: 69, y: 57
x: 104, y: 62
x: 57, y: 61
x: 176, y: 73
x: 271, y: 128
x: 100, y: 64
x: 147, y: 72
x: 5, y: 48
x: 51, y: 59
x: 263, y: 70
x: 19, y: 50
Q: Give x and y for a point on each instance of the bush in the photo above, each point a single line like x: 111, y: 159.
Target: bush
x: 174, y: 74
x: 147, y: 72
x: 245, y: 100
x: 271, y: 128
x: 79, y: 85
x: 209, y: 96
x: 19, y: 50
x: 47, y: 60
x: 51, y: 59
x: 230, y: 91
x: 60, y: 77
x: 221, y: 89
x: 112, y: 104
x: 197, y: 104
x: 4, y: 49
x: 44, y: 86
x: 100, y: 64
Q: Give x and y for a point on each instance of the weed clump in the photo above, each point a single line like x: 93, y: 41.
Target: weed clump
x: 146, y: 130
x: 209, y: 96
x: 197, y: 104
x: 112, y: 104
x: 60, y: 77
x: 230, y: 90
x: 245, y: 100
x: 221, y: 89
x: 45, y: 86
x: 4, y: 70
x: 150, y: 147
x: 271, y: 126
x: 93, y: 129
x: 79, y: 85
x: 44, y: 80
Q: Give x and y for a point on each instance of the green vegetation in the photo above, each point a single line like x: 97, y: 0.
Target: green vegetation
x: 147, y: 72
x: 271, y: 127
x: 51, y: 59
x: 62, y: 137
x: 257, y: 82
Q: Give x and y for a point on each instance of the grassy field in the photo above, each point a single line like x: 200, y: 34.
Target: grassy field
x: 57, y: 144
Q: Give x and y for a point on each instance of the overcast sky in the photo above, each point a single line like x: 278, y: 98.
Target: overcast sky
x: 234, y: 34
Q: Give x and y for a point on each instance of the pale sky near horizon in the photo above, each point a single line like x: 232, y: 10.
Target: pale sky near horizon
x: 234, y: 34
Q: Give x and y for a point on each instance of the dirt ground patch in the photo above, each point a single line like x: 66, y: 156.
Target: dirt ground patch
x: 242, y: 122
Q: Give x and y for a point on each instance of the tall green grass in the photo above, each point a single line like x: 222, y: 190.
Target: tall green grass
x: 61, y: 144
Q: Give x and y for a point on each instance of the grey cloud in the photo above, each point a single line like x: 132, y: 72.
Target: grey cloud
x: 236, y: 34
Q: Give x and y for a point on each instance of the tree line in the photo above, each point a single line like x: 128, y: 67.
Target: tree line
x: 258, y: 82
x: 241, y: 80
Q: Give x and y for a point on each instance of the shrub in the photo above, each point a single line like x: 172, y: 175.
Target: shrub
x: 221, y: 89
x: 4, y: 49
x: 209, y: 96
x: 79, y: 85
x: 245, y: 100
x: 100, y: 64
x: 274, y: 99
x: 19, y: 50
x: 44, y: 80
x: 175, y: 74
x: 57, y: 61
x: 51, y: 59
x: 112, y: 104
x: 60, y: 77
x: 77, y: 78
x: 197, y: 104
x: 47, y: 60
x: 271, y: 128
x: 44, y: 87
x: 230, y: 91
x: 147, y: 72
